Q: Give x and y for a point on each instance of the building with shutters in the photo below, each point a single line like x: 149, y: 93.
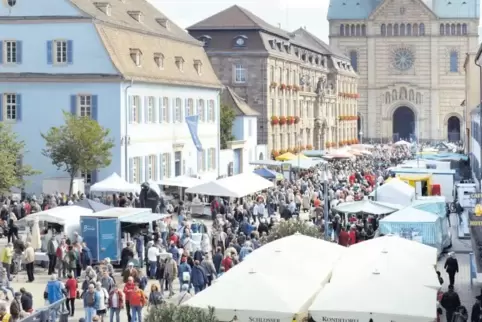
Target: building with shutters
x: 409, y: 56
x: 122, y: 63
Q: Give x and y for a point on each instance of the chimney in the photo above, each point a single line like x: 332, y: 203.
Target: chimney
x: 164, y: 22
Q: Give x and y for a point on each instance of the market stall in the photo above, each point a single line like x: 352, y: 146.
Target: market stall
x: 114, y: 183
x: 414, y: 224
x: 236, y: 186
x: 304, y: 163
x: 367, y: 207
x: 181, y: 181
x: 395, y: 191
x: 436, y: 205
x: 268, y: 174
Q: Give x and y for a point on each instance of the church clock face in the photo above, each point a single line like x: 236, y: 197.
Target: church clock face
x: 403, y: 59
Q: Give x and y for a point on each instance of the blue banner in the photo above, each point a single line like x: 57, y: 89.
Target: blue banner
x: 90, y: 235
x: 108, y: 239
x: 192, y: 124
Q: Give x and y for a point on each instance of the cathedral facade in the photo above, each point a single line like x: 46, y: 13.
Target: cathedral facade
x: 409, y: 56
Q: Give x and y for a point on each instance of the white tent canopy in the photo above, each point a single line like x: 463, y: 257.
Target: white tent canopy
x: 236, y: 186
x: 114, y: 183
x: 395, y: 191
x: 381, y: 299
x: 419, y: 252
x: 394, y: 265
x: 59, y: 215
x: 402, y: 142
x: 411, y: 214
x: 366, y: 206
x: 304, y: 163
x: 181, y: 181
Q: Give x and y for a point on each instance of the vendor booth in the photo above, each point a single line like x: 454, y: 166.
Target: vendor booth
x: 414, y: 224
x: 114, y: 183
x: 436, y: 205
x: 102, y: 230
x: 395, y: 192
x: 421, y: 182
x: 381, y: 299
x: 366, y: 207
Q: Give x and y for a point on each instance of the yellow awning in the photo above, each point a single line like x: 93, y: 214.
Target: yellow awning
x: 286, y: 157
x: 414, y: 177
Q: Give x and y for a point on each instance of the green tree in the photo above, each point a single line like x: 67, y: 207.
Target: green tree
x: 174, y: 313
x: 291, y: 227
x: 227, y: 116
x: 12, y: 172
x: 81, y: 144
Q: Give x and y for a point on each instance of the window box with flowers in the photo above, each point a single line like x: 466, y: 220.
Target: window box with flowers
x: 273, y: 85
x: 290, y: 150
x: 296, y: 150
x: 282, y: 87
x: 282, y: 120
x: 289, y: 87
x: 302, y: 147
x: 282, y: 151
x: 296, y: 88
x: 274, y: 120
x: 328, y: 144
x: 297, y: 119
x: 275, y: 153
x: 290, y: 120
x: 309, y: 147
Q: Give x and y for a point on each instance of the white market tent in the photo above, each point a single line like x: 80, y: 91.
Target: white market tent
x: 382, y: 299
x: 402, y: 142
x: 304, y: 163
x: 114, y: 183
x: 236, y: 186
x: 181, y: 181
x: 390, y: 243
x: 395, y: 191
x: 367, y: 207
x: 59, y: 215
x: 394, y: 265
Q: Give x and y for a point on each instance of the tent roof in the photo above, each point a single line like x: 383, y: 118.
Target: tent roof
x: 266, y: 162
x: 365, y: 206
x: 266, y: 173
x: 383, y: 299
x: 305, y: 163
x: 114, y: 183
x: 92, y: 205
x: 411, y: 214
x: 236, y: 186
x: 59, y: 215
x: 394, y: 186
x: 286, y: 156
x: 143, y: 218
x: 119, y: 212
x: 181, y: 181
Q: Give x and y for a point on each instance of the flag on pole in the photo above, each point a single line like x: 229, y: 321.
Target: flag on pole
x: 192, y: 124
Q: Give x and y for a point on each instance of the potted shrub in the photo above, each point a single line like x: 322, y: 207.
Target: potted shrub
x: 291, y: 120
x: 273, y: 85
x: 274, y: 120
x: 282, y: 151
x: 296, y: 88
x: 275, y: 153
x: 302, y: 148
x: 296, y: 150
x: 309, y: 147
x: 328, y: 144
x: 282, y: 120
x: 289, y: 87
x: 297, y: 119
x: 283, y: 87
x: 290, y: 150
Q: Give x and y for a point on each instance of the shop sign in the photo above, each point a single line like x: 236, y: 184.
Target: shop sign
x: 327, y: 319
x: 254, y: 319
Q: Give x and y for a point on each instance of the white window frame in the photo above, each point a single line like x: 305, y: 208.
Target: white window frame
x: 10, y: 112
x: 190, y: 106
x: 239, y: 74
x: 60, y: 51
x: 166, y: 165
x: 211, y: 115
x: 136, y: 170
x: 135, y: 109
x: 10, y: 51
x: 151, y: 111
x: 212, y: 156
x: 203, y: 161
x: 84, y: 105
x: 165, y: 110
x: 202, y: 110
x: 151, y: 168
x: 178, y: 111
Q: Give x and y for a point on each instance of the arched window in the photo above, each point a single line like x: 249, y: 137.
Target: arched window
x: 422, y: 29
x: 409, y: 29
x: 354, y: 60
x: 442, y: 29
x: 395, y: 29
x: 447, y: 29
x: 454, y: 62
x: 387, y: 98
x: 347, y: 30
x: 464, y: 29
x: 411, y: 95
x: 403, y: 93
x: 415, y: 29
x: 452, y: 29
x: 394, y: 95
x: 459, y: 29
x: 383, y: 30
x: 342, y: 30
x: 402, y: 29
x: 358, y: 30
x: 389, y: 30
x: 352, y: 31
x: 363, y: 30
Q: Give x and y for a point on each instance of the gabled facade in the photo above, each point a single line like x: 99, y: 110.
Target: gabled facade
x: 304, y: 90
x: 403, y: 45
x: 121, y: 62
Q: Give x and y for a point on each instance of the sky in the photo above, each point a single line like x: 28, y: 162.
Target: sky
x: 289, y: 14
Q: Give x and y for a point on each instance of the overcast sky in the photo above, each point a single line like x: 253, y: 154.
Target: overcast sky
x: 290, y: 14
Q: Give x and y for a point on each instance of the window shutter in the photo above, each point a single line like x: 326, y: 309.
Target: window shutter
x: 155, y: 177
x: 95, y: 112
x: 19, y: 107
x: 160, y: 114
x: 19, y: 52
x: 50, y: 53
x: 129, y: 101
x: 93, y: 177
x: 186, y: 108
x: 140, y: 171
x: 1, y: 52
x: 146, y: 109
x: 1, y: 106
x: 131, y: 167
x: 73, y: 104
x: 70, y: 52
x: 208, y: 159
x: 160, y: 167
x: 146, y: 162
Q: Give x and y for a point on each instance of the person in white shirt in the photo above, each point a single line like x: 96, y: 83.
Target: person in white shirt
x: 152, y: 254
x: 103, y: 298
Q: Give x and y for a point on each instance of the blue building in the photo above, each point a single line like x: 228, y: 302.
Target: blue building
x: 122, y: 63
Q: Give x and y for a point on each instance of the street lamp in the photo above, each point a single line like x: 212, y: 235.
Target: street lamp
x: 361, y: 137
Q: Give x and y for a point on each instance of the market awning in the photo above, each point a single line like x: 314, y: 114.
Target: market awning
x: 143, y: 218
x: 366, y: 206
x: 414, y: 177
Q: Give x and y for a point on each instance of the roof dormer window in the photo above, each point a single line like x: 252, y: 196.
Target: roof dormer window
x: 136, y: 15
x: 136, y: 56
x: 279, y: 45
x: 164, y: 22
x: 159, y: 60
x: 272, y: 44
x: 179, y: 63
x: 287, y: 47
x: 206, y: 39
x: 105, y: 7
x: 198, y: 66
x: 240, y: 41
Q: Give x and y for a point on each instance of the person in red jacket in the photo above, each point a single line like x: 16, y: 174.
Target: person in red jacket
x: 352, y: 234
x: 116, y: 303
x: 71, y: 286
x: 128, y: 289
x: 227, y: 262
x: 344, y: 237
